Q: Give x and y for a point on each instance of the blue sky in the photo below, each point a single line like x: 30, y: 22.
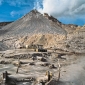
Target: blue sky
x: 67, y: 11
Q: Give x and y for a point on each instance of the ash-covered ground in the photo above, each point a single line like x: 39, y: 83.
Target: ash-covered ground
x: 36, y: 64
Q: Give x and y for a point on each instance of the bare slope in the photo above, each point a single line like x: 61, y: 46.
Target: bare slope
x: 2, y: 24
x: 45, y: 28
x: 34, y: 22
x: 35, y: 28
x: 76, y: 40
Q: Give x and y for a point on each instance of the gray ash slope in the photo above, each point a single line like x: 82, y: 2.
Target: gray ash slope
x: 33, y: 22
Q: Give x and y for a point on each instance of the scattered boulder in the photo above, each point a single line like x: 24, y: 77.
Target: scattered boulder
x: 37, y: 54
x: 52, y: 66
x: 43, y: 60
x: 45, y: 64
x: 16, y: 63
x: 5, y: 62
x: 31, y: 63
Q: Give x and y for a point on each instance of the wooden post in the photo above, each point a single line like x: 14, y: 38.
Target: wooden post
x: 59, y: 70
x: 18, y: 65
x: 5, y: 76
x: 17, y: 69
x: 48, y: 75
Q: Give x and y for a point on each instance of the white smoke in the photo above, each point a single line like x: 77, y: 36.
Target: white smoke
x: 59, y: 8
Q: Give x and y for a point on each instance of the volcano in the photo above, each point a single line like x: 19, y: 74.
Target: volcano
x: 33, y: 23
x: 35, y: 28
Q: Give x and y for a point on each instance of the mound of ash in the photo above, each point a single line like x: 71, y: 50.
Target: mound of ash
x: 33, y: 24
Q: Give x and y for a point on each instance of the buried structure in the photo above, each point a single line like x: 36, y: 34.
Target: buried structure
x: 7, y: 79
x: 64, y: 70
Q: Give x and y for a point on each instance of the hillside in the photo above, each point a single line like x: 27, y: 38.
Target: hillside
x: 76, y: 40
x: 37, y: 28
x: 31, y: 25
x: 2, y: 24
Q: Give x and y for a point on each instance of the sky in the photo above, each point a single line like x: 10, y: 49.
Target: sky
x: 66, y: 11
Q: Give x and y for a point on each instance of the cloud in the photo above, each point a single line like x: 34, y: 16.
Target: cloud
x: 38, y: 5
x: 16, y: 13
x: 67, y: 11
x: 59, y: 8
x: 16, y: 2
x: 13, y: 13
x: 24, y: 7
x: 19, y: 12
x: 1, y: 2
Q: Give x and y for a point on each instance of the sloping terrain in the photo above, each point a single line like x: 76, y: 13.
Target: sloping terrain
x: 32, y: 25
x: 34, y: 22
x: 2, y: 24
x: 36, y: 28
x: 70, y: 28
x: 76, y: 40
